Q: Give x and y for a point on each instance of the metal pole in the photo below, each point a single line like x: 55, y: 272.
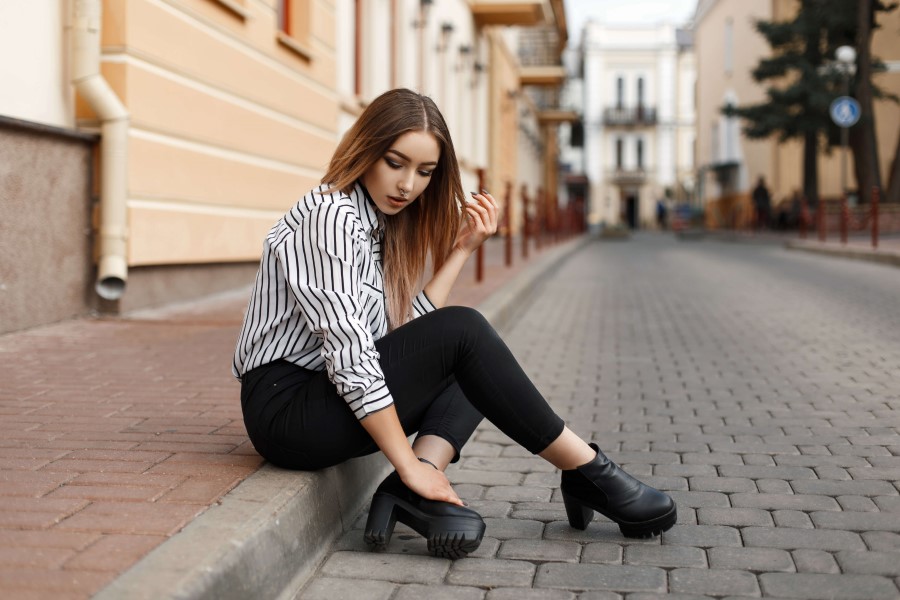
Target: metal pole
x: 875, y: 194
x: 845, y: 137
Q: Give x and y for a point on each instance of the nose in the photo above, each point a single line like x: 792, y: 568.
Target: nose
x: 406, y: 182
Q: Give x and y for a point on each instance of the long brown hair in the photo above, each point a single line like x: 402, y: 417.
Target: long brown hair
x: 428, y: 224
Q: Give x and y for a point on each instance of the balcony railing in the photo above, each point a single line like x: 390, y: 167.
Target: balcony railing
x: 629, y: 116
x: 628, y: 175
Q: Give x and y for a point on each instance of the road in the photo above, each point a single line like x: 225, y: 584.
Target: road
x: 760, y: 387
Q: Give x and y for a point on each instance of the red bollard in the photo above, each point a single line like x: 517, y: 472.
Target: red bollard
x: 845, y: 218
x: 525, y: 223
x: 507, y: 219
x: 875, y: 194
x: 804, y: 216
x: 820, y: 217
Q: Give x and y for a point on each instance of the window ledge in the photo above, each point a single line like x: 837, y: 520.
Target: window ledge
x: 295, y: 46
x: 234, y: 8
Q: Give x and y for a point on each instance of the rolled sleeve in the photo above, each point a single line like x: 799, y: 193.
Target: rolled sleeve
x: 320, y: 263
x: 422, y: 305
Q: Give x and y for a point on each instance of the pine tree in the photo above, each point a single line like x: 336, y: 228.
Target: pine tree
x: 801, y: 79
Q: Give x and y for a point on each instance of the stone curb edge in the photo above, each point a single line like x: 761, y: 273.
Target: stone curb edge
x: 885, y: 258
x: 265, y: 538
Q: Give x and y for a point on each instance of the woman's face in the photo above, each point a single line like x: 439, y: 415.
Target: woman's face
x: 403, y: 173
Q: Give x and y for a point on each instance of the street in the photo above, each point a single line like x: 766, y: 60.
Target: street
x: 759, y: 387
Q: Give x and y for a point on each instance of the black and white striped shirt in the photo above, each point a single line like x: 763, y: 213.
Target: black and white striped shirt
x: 318, y: 300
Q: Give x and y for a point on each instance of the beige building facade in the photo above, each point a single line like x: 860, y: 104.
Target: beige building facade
x: 230, y: 110
x: 729, y: 164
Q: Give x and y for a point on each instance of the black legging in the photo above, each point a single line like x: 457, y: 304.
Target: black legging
x: 440, y: 368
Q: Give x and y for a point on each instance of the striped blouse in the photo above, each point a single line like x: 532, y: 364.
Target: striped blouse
x: 318, y: 300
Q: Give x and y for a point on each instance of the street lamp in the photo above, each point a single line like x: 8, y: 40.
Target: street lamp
x: 845, y: 116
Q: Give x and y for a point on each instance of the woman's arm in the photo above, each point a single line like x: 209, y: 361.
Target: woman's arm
x: 480, y: 224
x: 384, y: 427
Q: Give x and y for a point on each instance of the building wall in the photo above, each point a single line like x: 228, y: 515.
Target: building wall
x: 646, y: 58
x: 779, y: 162
x: 231, y: 119
x: 45, y: 241
x: 36, y: 89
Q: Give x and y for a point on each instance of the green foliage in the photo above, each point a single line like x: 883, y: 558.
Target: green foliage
x: 800, y: 76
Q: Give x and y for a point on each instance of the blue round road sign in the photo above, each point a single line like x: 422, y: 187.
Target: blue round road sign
x: 845, y: 111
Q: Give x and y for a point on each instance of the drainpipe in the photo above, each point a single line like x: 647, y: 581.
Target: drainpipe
x: 112, y: 267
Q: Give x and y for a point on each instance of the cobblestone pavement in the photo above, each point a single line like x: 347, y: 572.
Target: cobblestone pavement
x: 760, y: 387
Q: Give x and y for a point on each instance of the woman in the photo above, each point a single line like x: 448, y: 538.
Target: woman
x: 339, y: 357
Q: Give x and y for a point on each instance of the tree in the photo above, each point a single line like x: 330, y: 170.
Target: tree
x: 802, y: 81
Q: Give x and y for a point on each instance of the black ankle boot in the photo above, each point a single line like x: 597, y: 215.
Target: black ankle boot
x: 640, y: 510
x: 451, y: 531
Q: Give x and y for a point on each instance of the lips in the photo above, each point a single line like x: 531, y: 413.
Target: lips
x: 397, y: 200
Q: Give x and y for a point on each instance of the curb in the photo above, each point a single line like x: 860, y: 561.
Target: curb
x: 266, y: 537
x: 885, y: 258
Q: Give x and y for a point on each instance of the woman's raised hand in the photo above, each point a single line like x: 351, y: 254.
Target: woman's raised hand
x: 480, y: 222
x: 430, y: 483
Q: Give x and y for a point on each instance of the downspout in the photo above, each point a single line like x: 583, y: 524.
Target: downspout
x: 112, y: 267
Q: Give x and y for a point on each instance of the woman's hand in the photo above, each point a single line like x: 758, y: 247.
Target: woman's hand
x: 479, y: 224
x: 429, y: 483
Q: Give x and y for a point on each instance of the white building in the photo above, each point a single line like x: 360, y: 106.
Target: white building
x: 637, y: 91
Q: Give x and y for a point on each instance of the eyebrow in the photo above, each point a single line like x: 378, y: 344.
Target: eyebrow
x: 408, y: 159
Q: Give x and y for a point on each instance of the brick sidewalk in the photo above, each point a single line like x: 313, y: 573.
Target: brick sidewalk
x: 117, y: 432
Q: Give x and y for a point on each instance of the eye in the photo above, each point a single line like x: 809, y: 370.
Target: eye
x: 425, y: 173
x: 392, y: 163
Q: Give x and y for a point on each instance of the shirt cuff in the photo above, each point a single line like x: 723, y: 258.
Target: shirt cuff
x: 422, y: 305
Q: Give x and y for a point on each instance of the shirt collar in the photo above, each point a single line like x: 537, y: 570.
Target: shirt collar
x: 368, y: 213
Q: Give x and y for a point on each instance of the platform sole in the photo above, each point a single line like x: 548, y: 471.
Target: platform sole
x: 580, y: 516
x: 447, y: 537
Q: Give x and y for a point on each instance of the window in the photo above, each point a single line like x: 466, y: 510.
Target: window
x: 640, y: 93
x: 640, y: 154
x: 620, y: 92
x: 620, y: 144
x: 295, y: 25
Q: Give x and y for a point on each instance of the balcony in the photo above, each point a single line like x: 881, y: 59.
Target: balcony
x: 630, y: 176
x: 509, y: 12
x: 633, y: 116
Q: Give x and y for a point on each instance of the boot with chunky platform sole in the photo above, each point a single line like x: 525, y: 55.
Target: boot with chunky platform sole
x: 601, y: 485
x: 451, y: 531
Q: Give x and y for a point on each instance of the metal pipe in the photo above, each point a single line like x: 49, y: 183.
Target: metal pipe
x: 112, y: 267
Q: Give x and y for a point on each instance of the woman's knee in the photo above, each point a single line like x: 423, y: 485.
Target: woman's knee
x: 465, y: 318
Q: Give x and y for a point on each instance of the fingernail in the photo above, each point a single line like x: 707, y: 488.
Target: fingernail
x: 484, y: 191
x: 474, y: 193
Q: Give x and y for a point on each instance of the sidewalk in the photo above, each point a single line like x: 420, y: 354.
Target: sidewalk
x: 119, y: 433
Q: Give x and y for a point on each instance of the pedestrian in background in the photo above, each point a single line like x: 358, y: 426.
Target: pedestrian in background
x: 340, y: 357
x: 762, y: 202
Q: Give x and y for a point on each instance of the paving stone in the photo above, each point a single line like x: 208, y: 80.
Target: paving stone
x: 717, y: 582
x: 750, y: 559
x: 506, y: 465
x: 843, y: 488
x: 540, y: 550
x: 487, y: 549
x: 735, y: 517
x: 788, y: 539
x: 665, y: 556
x: 699, y: 499
x: 518, y: 493
x: 330, y: 588
x: 602, y: 552
x: 868, y: 562
x: 881, y: 540
x: 774, y: 486
x: 814, y: 561
x: 507, y: 529
x: 808, y: 586
x: 684, y: 470
x: 857, y: 521
x: 722, y: 484
x: 490, y: 508
x: 491, y: 572
x: 703, y: 536
x: 530, y: 594
x: 598, y: 531
x: 390, y: 567
x: 783, y: 502
x: 887, y: 503
x: 457, y: 476
x: 435, y: 592
x: 792, y: 518
x: 861, y: 503
x: 621, y: 578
